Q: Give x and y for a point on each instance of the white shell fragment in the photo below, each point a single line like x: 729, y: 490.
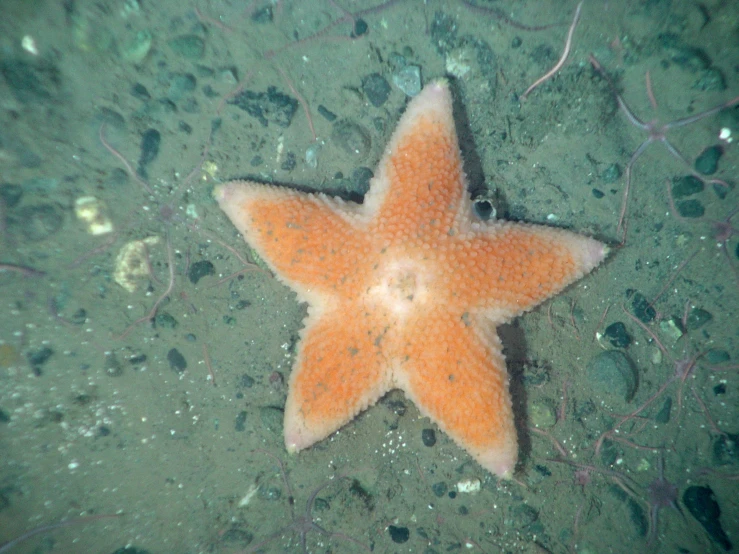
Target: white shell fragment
x: 469, y: 486
x: 132, y: 263
x: 93, y: 213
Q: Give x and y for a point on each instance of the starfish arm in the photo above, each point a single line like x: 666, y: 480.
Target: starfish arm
x: 420, y: 183
x: 455, y: 373
x: 339, y: 371
x: 521, y: 265
x: 304, y: 238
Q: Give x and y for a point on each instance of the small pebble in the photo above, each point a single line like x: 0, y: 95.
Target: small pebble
x: 39, y: 357
x: 408, y: 79
x: 176, y: 360
x: 542, y: 415
x: 428, y: 436
x: 113, y: 367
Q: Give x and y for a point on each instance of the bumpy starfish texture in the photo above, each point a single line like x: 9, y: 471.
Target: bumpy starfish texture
x: 406, y: 290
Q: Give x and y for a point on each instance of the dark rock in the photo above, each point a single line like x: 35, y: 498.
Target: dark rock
x: 150, y: 141
x: 717, y: 356
x: 140, y: 91
x: 361, y: 180
x: 237, y: 537
x: 240, y: 422
x: 682, y: 54
x: 191, y: 47
x: 443, y: 32
x: 137, y: 358
x: 523, y: 515
x: 164, y: 320
x: 702, y: 505
x: 642, y: 308
x: 484, y: 209
x: 663, y: 416
x: 611, y: 174
x: 176, y: 360
x: 376, y: 89
x: 289, y: 163
x: 697, y: 318
x: 271, y: 417
x: 439, y: 489
x: 352, y: 138
x: 707, y: 162
x: 726, y: 449
x: 267, y: 107
x: 262, y: 15
x: 636, y: 512
x: 180, y: 84
x: 691, y: 209
x: 39, y: 222
x: 112, y: 366
x: 39, y: 357
x: 10, y: 195
x: 617, y: 335
x: 200, y: 269
x: 711, y: 78
x: 399, y: 535
x: 326, y: 113
x: 686, y: 186
x: 30, y: 82
x: 360, y: 28
x: 428, y: 436
x: 611, y: 374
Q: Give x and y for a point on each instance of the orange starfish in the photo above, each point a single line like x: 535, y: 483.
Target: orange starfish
x: 406, y: 290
